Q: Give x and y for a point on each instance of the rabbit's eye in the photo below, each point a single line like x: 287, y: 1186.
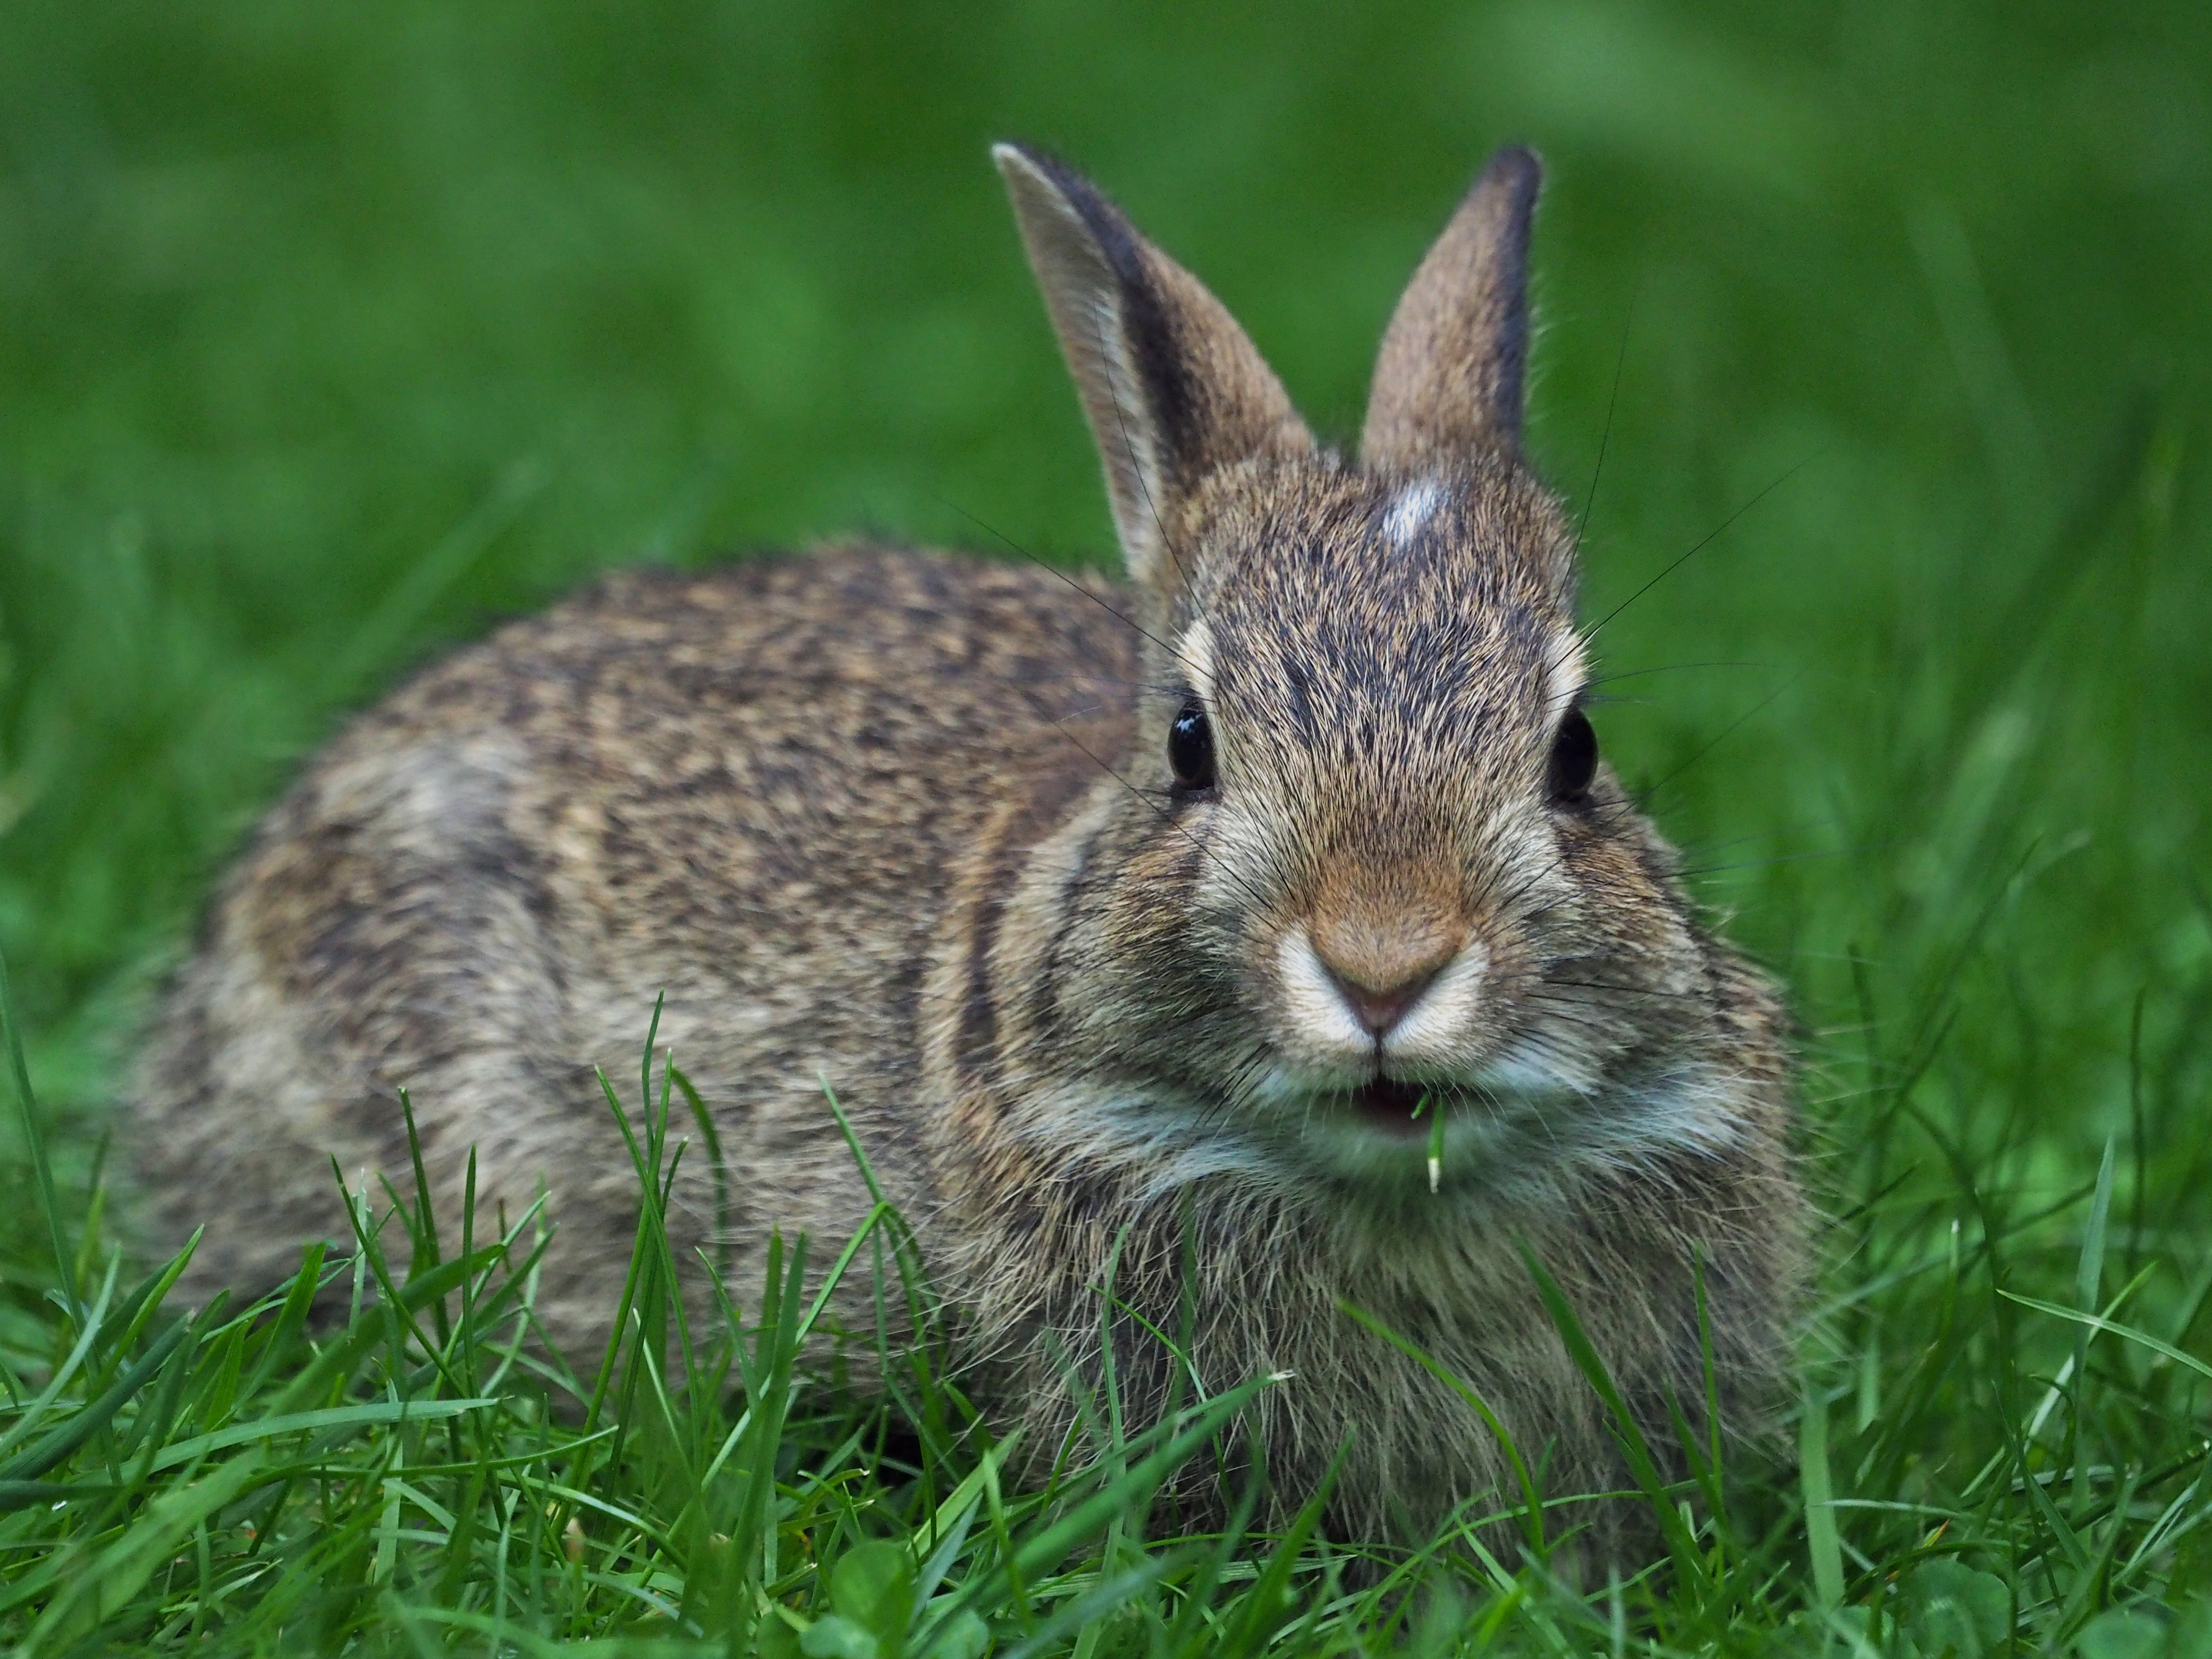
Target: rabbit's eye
x: 1190, y: 748
x: 1574, y: 758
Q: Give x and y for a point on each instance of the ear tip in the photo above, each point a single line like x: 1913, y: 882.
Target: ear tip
x: 1046, y: 190
x: 1516, y: 168
x: 1044, y: 182
x: 1019, y: 165
x: 1029, y: 164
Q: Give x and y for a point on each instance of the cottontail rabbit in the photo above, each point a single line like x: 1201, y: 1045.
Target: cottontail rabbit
x: 1127, y: 921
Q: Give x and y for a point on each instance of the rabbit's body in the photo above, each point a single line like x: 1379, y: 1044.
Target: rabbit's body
x: 756, y: 791
x: 1131, y: 926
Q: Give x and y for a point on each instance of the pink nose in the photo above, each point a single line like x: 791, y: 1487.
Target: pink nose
x: 1381, y: 957
x: 1380, y: 1007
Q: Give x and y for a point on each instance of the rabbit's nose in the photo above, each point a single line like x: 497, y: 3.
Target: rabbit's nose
x: 1379, y: 1008
x: 1381, y: 973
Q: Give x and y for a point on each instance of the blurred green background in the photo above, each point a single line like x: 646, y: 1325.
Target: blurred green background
x: 330, y: 333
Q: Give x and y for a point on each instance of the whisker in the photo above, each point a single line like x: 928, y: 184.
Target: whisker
x: 1612, y: 401
x: 1129, y: 448
x: 1164, y: 815
x: 1589, y: 634
x: 1631, y: 990
x: 1644, y: 800
x: 1670, y: 668
x: 1789, y: 858
x: 997, y: 534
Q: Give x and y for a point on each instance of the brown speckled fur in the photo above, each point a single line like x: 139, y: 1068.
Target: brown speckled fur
x: 906, y: 821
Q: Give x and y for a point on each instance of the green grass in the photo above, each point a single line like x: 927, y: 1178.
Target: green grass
x: 327, y: 335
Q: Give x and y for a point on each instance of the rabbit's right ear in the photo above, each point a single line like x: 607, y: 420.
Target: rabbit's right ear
x: 1172, y: 387
x: 1451, y: 378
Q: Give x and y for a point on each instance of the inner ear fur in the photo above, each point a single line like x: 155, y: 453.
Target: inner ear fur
x: 1171, y: 387
x: 1449, y: 380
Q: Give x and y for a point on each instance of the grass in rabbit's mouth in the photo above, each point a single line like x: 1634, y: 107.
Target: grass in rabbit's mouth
x: 325, y: 340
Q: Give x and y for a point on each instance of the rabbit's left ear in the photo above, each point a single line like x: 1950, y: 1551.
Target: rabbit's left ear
x: 1450, y: 377
x: 1173, y: 388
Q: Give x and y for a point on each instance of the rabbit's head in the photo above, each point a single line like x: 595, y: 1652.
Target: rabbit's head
x: 1368, y: 869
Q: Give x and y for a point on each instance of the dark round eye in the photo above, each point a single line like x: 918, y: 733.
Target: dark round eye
x: 1574, y: 758
x: 1190, y: 748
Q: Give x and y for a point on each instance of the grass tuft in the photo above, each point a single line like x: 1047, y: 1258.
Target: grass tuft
x: 422, y: 1473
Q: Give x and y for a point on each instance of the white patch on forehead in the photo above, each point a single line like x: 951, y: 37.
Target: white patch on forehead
x: 1415, y: 502
x: 1196, y: 657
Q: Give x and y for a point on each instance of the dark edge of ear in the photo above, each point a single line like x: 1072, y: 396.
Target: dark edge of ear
x: 1451, y: 377
x: 1515, y: 173
x: 1152, y: 351
x: 1171, y: 387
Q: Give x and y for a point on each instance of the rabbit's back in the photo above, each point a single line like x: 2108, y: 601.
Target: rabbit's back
x: 755, y: 790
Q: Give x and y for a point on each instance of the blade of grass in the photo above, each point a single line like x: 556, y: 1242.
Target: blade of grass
x: 2088, y: 1283
x: 2127, y: 1332
x: 1626, y: 1431
x: 378, y: 1411
x: 34, y: 1140
x: 94, y: 1417
x: 1532, y: 1500
x: 1816, y: 1483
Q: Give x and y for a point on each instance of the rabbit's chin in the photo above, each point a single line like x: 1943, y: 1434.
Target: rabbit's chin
x: 1353, y: 1140
x: 1514, y: 1124
x: 1500, y: 1131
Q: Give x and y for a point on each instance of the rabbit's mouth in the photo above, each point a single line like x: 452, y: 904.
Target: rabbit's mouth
x: 1387, y: 1104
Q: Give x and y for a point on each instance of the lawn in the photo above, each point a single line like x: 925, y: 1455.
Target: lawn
x: 1874, y: 343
